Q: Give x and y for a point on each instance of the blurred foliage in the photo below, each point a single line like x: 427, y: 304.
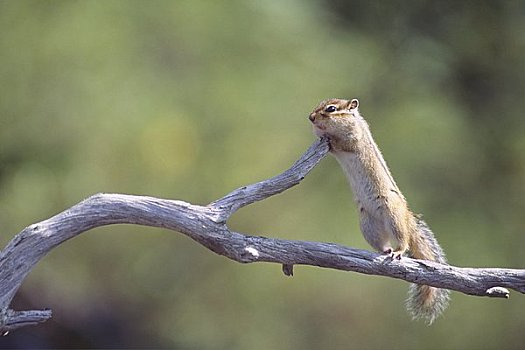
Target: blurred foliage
x: 191, y: 99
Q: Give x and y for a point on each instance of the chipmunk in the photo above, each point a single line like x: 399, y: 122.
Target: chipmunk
x: 386, y: 222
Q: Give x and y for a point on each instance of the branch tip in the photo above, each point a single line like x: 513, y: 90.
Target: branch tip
x: 498, y: 292
x: 11, y: 320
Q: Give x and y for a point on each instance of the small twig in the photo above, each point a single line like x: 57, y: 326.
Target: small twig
x: 206, y: 225
x: 12, y: 320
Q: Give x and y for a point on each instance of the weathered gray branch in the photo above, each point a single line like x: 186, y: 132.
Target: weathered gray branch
x: 207, y: 225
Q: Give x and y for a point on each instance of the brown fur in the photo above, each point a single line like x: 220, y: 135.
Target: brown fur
x: 387, y: 223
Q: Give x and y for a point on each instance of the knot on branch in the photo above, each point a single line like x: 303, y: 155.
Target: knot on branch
x: 249, y: 254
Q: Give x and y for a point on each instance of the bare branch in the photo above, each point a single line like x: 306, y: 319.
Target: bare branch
x: 252, y: 193
x: 206, y: 225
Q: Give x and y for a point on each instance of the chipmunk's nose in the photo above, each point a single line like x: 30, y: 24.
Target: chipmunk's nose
x: 311, y: 117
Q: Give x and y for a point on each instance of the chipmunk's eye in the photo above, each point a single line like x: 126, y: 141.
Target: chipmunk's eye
x: 330, y: 109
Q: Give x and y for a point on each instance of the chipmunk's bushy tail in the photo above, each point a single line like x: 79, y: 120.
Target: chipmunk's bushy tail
x: 425, y: 302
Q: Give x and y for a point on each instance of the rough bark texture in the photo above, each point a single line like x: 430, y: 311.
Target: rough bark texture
x: 207, y: 226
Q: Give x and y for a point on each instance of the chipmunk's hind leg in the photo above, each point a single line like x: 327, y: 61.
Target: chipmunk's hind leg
x: 374, y: 232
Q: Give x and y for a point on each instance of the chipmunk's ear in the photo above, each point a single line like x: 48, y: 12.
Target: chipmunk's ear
x: 354, y: 104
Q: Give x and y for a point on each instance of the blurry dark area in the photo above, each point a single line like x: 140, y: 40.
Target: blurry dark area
x: 191, y: 99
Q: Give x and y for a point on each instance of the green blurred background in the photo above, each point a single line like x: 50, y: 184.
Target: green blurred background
x: 191, y: 99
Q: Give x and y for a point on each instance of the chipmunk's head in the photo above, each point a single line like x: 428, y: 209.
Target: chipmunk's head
x: 338, y: 120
